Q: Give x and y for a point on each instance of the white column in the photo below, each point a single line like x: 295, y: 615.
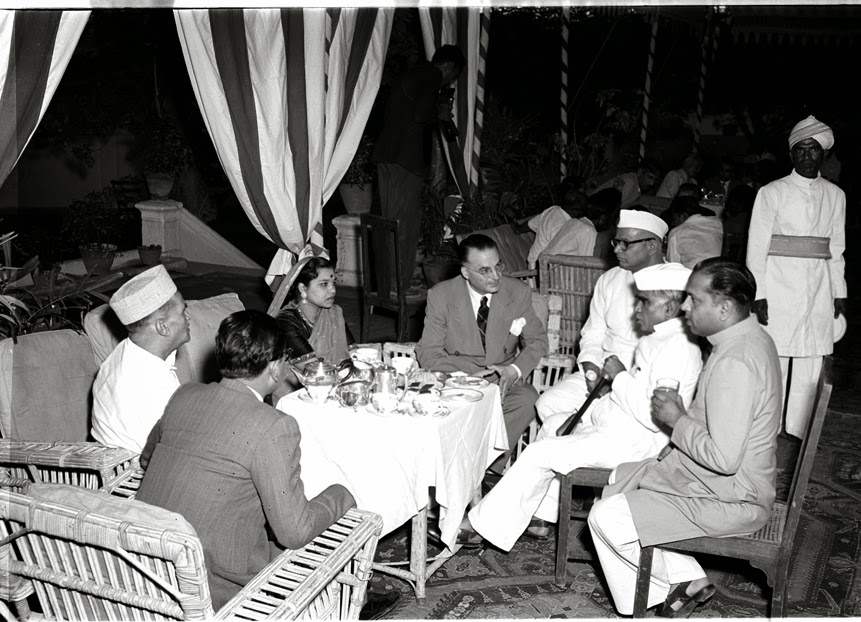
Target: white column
x: 160, y: 224
x: 348, y: 271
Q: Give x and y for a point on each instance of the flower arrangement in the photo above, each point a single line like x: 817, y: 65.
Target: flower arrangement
x: 166, y: 152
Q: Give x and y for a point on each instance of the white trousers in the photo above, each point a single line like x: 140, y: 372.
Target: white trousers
x: 802, y: 391
x: 618, y: 545
x: 531, y: 485
x: 566, y: 396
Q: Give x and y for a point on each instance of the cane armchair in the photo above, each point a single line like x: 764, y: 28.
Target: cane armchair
x: 89, y: 556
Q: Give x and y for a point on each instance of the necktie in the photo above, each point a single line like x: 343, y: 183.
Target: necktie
x: 481, y: 319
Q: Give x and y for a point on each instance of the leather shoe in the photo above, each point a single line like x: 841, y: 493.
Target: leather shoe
x: 465, y: 538
x: 378, y: 604
x: 680, y: 604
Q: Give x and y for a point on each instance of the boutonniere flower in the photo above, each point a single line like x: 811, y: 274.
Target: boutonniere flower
x: 517, y: 326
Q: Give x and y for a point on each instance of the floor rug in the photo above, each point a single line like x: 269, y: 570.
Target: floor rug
x: 824, y: 578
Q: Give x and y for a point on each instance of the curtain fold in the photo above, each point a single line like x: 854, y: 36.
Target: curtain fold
x: 467, y: 28
x: 35, y: 49
x: 285, y: 95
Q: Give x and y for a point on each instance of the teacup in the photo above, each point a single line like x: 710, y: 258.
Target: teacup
x: 428, y: 404
x: 384, y: 402
x: 366, y: 355
x: 403, y: 364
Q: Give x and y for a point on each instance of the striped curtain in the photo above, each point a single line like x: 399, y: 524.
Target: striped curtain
x: 467, y: 28
x: 35, y: 48
x: 285, y: 95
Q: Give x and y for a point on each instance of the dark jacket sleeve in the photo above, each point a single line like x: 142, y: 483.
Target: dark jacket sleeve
x: 151, y: 441
x: 297, y: 332
x: 276, y: 474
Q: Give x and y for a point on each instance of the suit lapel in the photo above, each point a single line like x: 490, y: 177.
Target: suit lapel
x: 466, y: 316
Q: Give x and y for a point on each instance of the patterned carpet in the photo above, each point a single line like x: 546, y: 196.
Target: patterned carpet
x: 824, y: 574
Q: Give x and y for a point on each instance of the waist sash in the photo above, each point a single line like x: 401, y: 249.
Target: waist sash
x: 808, y: 247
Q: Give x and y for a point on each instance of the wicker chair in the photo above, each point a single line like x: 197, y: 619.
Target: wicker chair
x: 88, y: 465
x: 393, y: 350
x: 572, y: 278
x: 770, y: 548
x: 86, y: 565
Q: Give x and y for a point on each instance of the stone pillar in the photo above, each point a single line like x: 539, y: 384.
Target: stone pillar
x: 348, y: 272
x: 160, y: 224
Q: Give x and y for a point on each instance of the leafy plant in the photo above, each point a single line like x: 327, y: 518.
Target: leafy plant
x: 436, y: 226
x: 167, y: 151
x: 52, y: 302
x: 361, y: 169
x: 95, y: 220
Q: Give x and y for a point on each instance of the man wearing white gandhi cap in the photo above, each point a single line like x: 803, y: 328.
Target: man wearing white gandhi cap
x: 617, y: 428
x: 610, y: 328
x: 795, y: 252
x: 138, y: 378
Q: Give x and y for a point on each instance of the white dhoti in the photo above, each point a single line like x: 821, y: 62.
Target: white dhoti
x: 618, y: 545
x: 531, y: 485
x: 566, y: 396
x: 802, y: 391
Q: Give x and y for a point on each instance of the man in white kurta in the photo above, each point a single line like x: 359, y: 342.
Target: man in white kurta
x: 609, y: 329
x: 617, y: 428
x: 718, y: 476
x: 698, y: 238
x: 138, y: 378
x: 795, y: 251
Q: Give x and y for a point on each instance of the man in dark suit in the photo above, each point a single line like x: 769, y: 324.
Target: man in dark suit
x: 483, y: 323
x: 230, y: 464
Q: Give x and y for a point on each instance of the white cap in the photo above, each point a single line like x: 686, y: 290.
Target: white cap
x: 142, y: 295
x: 634, y: 219
x: 672, y: 276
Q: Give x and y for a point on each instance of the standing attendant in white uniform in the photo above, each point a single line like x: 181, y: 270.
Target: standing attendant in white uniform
x: 795, y: 251
x: 610, y: 328
x: 617, y: 428
x: 138, y: 378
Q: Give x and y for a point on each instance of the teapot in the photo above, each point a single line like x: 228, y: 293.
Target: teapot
x: 386, y: 381
x: 318, y: 376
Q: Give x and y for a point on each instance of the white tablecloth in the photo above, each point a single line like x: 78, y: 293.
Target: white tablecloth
x: 388, y: 462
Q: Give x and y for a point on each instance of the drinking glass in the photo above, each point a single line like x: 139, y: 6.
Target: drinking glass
x: 668, y: 385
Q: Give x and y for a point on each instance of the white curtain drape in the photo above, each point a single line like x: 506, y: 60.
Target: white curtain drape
x: 285, y: 95
x: 35, y: 48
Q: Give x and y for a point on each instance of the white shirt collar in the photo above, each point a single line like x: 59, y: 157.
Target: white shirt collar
x: 141, y: 353
x: 256, y: 394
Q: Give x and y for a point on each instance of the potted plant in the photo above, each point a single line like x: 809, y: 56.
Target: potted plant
x: 167, y: 156
x: 150, y: 254
x: 356, y: 185
x: 94, y: 224
x: 439, y: 260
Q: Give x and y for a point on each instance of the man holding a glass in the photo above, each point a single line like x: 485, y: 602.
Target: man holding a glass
x: 619, y: 427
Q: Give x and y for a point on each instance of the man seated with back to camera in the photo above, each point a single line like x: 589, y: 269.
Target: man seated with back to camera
x: 223, y: 458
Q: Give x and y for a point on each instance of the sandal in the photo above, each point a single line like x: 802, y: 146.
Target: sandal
x: 680, y: 604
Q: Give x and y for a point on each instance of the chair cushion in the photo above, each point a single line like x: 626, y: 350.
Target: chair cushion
x: 126, y: 510
x: 51, y: 402
x: 195, y: 361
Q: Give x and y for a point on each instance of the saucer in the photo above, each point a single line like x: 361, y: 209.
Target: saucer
x: 370, y: 409
x: 466, y: 382
x: 460, y: 395
x: 303, y: 395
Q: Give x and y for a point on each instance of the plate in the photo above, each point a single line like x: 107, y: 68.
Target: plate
x: 303, y: 395
x: 466, y: 382
x: 370, y: 409
x: 460, y: 395
x: 440, y: 412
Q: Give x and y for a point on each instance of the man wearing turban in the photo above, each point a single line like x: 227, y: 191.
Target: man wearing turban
x: 795, y: 251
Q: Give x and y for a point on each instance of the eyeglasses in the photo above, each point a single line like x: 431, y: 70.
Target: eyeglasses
x: 624, y: 244
x: 488, y: 272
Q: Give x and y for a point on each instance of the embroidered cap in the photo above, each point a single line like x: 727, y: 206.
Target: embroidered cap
x: 633, y: 219
x: 673, y: 276
x: 142, y: 295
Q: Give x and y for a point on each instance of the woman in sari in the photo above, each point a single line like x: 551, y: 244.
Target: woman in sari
x: 311, y: 320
